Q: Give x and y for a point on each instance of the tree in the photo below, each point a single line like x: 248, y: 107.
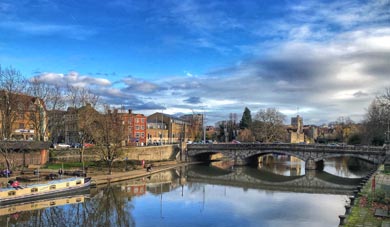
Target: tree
x: 377, y: 120
x: 268, y: 125
x: 51, y: 99
x: 12, y: 85
x: 108, y: 134
x: 246, y: 120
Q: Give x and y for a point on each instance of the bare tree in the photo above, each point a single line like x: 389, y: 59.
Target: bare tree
x: 268, y: 125
x: 12, y: 85
x: 377, y: 120
x: 80, y: 96
x: 108, y: 134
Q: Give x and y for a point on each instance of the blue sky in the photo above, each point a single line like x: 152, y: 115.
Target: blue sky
x: 327, y: 58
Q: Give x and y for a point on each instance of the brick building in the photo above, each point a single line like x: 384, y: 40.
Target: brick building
x: 22, y: 117
x: 135, y: 126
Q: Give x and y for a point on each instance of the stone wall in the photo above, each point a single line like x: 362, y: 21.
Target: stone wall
x: 152, y: 153
x: 147, y: 153
x: 19, y: 158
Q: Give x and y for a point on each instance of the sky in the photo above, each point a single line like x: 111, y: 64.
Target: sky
x: 319, y: 59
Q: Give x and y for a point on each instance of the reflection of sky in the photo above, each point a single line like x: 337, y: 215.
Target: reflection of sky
x: 210, y: 205
x: 339, y: 167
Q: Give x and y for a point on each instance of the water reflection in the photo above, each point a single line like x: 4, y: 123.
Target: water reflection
x: 211, y: 195
x: 348, y: 167
x: 282, y: 164
x: 286, y: 165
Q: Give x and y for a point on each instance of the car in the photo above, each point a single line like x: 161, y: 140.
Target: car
x: 62, y: 146
x: 76, y: 145
x: 86, y: 145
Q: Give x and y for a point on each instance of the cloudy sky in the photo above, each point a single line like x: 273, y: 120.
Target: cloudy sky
x: 325, y: 59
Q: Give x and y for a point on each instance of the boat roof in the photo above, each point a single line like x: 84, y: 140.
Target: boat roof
x: 37, y: 185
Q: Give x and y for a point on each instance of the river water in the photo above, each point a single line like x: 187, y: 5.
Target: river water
x: 277, y: 192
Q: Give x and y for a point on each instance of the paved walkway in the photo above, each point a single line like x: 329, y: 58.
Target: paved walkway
x: 100, y: 177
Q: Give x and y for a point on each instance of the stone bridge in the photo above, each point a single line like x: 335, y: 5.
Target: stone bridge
x: 312, y: 182
x: 313, y: 155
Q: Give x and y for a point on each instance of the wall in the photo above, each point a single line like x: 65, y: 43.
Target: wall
x: 32, y: 157
x: 297, y: 137
x: 147, y: 153
x: 152, y: 153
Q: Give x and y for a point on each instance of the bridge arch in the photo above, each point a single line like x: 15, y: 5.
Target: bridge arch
x: 311, y: 154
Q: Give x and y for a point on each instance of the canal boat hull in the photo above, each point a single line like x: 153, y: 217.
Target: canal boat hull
x: 50, y: 189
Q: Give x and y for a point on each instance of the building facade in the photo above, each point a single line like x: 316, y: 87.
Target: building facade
x: 164, y: 128
x: 22, y: 117
x: 135, y: 128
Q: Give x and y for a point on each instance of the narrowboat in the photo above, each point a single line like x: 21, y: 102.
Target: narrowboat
x: 48, y: 189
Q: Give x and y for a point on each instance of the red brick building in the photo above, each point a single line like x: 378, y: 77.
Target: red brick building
x: 135, y: 128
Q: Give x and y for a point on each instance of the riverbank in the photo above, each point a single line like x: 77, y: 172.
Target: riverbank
x: 370, y: 207
x: 100, y: 177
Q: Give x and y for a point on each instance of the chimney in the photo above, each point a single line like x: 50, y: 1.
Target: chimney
x: 130, y: 111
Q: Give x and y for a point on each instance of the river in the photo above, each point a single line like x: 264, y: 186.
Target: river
x: 277, y: 192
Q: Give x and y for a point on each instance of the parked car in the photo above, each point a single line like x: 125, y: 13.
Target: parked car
x: 62, y: 146
x: 86, y: 145
x: 76, y: 145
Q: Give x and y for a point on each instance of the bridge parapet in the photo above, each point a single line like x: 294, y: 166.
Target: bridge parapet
x: 308, y: 153
x: 284, y: 146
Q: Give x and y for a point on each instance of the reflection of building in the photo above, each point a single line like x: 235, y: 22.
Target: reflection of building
x: 295, y: 166
x: 134, y: 189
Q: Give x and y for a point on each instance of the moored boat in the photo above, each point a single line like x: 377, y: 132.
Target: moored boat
x: 43, y: 190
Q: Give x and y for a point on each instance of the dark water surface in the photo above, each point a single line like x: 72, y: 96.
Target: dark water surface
x: 278, y: 192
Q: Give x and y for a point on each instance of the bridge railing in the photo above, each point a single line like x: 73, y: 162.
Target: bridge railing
x: 279, y: 146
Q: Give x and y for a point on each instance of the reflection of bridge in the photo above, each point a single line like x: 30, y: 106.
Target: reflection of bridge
x: 311, y: 154
x: 312, y: 182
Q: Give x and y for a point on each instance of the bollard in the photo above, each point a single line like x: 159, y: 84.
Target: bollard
x: 347, y: 209
x: 352, y: 200
x: 342, y: 218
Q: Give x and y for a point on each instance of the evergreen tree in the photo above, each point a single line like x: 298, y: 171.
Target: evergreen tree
x: 246, y: 120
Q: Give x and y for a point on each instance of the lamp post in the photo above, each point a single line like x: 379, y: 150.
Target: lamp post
x: 387, y: 133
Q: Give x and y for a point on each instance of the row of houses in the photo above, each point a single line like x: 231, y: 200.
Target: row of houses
x: 32, y: 121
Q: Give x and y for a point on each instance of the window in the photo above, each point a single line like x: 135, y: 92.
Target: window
x: 142, y: 135
x: 11, y: 193
x: 142, y: 120
x: 34, y: 189
x: 136, y: 120
x: 78, y: 182
x: 52, y: 187
x: 137, y: 135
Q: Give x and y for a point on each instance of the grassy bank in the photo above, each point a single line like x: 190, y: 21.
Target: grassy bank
x: 369, y: 200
